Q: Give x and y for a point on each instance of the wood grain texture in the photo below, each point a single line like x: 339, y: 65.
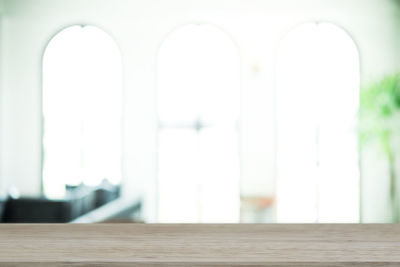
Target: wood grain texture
x: 199, y: 245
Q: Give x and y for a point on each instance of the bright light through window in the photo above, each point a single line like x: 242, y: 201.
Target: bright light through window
x: 81, y: 110
x: 317, y: 102
x: 198, y: 92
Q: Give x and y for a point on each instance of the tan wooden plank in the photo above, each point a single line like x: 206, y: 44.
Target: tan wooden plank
x: 199, y: 244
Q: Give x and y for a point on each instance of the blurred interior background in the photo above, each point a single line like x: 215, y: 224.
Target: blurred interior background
x: 200, y: 111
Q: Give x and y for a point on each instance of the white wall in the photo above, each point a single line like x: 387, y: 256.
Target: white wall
x: 139, y: 27
x: 2, y: 186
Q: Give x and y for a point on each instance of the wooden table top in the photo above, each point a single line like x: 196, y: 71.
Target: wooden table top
x: 199, y: 245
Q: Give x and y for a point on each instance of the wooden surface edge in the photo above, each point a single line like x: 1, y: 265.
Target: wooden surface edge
x: 199, y: 245
x: 200, y: 264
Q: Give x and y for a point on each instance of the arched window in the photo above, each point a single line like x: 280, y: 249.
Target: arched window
x: 81, y: 109
x: 198, y: 105
x: 317, y: 99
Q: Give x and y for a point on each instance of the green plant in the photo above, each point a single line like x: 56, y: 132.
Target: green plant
x: 380, y: 121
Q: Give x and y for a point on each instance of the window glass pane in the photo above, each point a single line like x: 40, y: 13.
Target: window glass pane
x: 179, y: 180
x: 198, y: 104
x: 317, y: 102
x: 81, y: 109
x: 198, y: 76
x: 219, y: 174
